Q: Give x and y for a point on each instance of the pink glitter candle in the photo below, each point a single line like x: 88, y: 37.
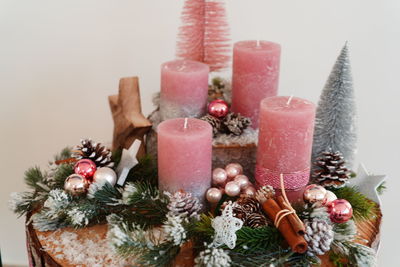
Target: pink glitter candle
x: 285, y: 141
x: 184, y: 89
x: 255, y: 76
x: 184, y: 156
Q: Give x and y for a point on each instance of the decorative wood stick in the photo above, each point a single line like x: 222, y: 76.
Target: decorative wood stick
x: 296, y: 242
x: 297, y: 224
x: 62, y: 161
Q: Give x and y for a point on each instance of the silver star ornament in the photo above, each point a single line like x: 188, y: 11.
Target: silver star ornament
x: 367, y: 183
x: 128, y: 161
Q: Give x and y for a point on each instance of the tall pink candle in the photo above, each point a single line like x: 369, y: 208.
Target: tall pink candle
x: 255, y: 76
x: 285, y: 141
x: 184, y: 89
x: 184, y: 156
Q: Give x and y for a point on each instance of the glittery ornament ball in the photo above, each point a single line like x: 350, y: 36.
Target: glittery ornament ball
x: 219, y: 176
x: 314, y: 193
x: 214, y: 195
x: 218, y: 108
x: 76, y: 184
x: 85, y: 167
x: 340, y: 211
x: 233, y: 170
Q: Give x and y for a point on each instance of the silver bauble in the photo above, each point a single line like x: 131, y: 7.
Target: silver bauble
x: 105, y: 174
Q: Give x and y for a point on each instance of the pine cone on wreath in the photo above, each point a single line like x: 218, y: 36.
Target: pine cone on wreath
x: 235, y: 124
x: 256, y: 220
x: 249, y: 211
x: 214, y: 122
x: 319, y: 236
x: 182, y: 202
x: 331, y: 170
x: 96, y: 152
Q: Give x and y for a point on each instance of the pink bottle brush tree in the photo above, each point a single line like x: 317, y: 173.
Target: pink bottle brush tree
x: 204, y: 34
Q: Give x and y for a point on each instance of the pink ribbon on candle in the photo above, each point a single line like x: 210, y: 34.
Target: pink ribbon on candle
x: 293, y: 180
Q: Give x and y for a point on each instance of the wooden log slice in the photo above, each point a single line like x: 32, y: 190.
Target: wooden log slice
x: 44, y: 253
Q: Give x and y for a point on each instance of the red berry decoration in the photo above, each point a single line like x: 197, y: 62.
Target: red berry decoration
x: 340, y: 211
x: 85, y: 167
x: 218, y: 108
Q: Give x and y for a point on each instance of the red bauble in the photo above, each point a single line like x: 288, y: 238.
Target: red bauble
x: 85, y: 167
x: 340, y: 211
x: 218, y: 108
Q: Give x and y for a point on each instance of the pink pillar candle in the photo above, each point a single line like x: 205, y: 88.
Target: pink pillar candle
x: 255, y: 76
x: 285, y: 141
x: 184, y: 156
x: 184, y: 89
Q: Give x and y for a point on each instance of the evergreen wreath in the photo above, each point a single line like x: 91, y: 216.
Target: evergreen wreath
x: 138, y: 212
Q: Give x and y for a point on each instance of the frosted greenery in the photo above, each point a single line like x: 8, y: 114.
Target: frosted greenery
x: 335, y: 124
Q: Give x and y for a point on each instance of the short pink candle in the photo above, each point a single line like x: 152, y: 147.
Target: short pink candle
x: 184, y: 156
x: 285, y: 141
x: 184, y: 89
x: 255, y: 76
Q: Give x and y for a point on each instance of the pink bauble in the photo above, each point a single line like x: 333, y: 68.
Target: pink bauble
x: 314, y: 193
x: 329, y: 197
x: 219, y: 176
x: 340, y: 211
x: 214, y: 195
x: 233, y: 170
x: 242, y: 181
x: 218, y: 108
x: 85, y: 167
x: 249, y: 191
x: 232, y: 189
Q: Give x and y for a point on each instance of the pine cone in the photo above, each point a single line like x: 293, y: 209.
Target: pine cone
x: 184, y: 203
x: 234, y: 123
x: 255, y: 220
x: 331, y: 170
x: 319, y: 236
x: 96, y: 152
x: 264, y: 193
x: 248, y: 209
x: 214, y: 122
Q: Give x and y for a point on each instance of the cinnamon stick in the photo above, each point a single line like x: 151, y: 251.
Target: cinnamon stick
x: 62, y: 161
x: 296, y: 223
x: 296, y: 242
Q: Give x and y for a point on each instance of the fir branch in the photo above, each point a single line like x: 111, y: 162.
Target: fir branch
x: 64, y: 154
x: 105, y: 193
x: 61, y: 172
x: 363, y: 208
x: 35, y: 178
x: 145, y: 171
x: 202, y: 231
x: 42, y: 222
x: 381, y: 188
x: 251, y: 240
x: 24, y: 202
x: 148, y: 205
x: 160, y: 255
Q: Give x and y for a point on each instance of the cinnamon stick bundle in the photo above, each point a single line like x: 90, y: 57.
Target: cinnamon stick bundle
x: 297, y: 224
x: 296, y: 241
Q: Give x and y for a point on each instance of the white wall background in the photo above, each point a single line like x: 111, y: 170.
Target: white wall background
x: 59, y: 60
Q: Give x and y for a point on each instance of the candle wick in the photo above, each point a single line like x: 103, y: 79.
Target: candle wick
x: 185, y: 125
x: 289, y: 100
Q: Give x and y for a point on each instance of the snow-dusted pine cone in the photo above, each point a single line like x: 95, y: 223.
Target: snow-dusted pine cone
x: 331, y: 170
x: 184, y: 203
x: 214, y: 122
x: 96, y: 152
x: 234, y: 123
x: 264, y: 193
x: 319, y: 236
